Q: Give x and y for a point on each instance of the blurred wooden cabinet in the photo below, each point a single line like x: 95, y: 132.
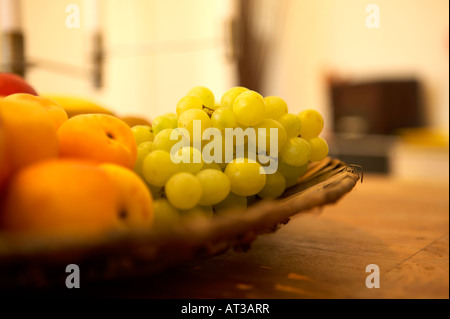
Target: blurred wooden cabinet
x: 367, y: 116
x: 379, y: 107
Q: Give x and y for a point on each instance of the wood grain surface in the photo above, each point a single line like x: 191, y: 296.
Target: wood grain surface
x: 403, y: 227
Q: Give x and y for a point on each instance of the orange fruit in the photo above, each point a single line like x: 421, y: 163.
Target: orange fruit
x: 61, y: 198
x: 101, y: 138
x: 29, y: 134
x: 56, y: 113
x: 4, y: 159
x: 134, y: 196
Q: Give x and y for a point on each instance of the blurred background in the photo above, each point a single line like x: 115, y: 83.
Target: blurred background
x: 377, y: 70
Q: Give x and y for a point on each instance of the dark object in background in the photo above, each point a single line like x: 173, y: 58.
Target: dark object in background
x: 380, y: 107
x: 366, y: 117
x: 13, y: 51
x: 251, y: 43
x: 369, y: 151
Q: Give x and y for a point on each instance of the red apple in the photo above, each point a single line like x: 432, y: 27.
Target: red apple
x: 11, y: 83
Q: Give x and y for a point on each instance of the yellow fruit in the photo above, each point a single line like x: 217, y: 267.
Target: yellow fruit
x: 135, y: 120
x: 74, y: 105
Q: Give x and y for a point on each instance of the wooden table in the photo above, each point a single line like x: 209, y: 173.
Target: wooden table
x: 402, y: 227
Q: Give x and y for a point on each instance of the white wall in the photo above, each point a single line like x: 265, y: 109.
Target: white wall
x: 156, y: 50
x: 324, y: 36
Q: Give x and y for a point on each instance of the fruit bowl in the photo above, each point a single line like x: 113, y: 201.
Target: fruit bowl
x: 27, y: 263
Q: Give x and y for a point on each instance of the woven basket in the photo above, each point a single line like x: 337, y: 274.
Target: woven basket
x: 43, y: 264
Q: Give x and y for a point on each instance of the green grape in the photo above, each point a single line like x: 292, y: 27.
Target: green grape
x: 269, y: 163
x: 291, y: 173
x: 213, y: 151
x: 183, y: 190
x: 235, y: 142
x: 158, y: 167
x: 189, y: 159
x: 194, y: 118
x: 197, y: 214
x: 146, y: 146
x: 275, y: 186
x: 204, y: 94
x: 296, y: 151
x: 162, y: 122
x: 142, y: 153
x: 142, y: 133
x: 230, y: 148
x: 232, y: 204
x: 319, y: 149
x: 165, y: 215
x: 276, y: 107
x: 311, y: 123
x: 211, y: 165
x: 291, y: 124
x: 189, y: 102
x: 249, y: 108
x: 263, y: 132
x: 229, y: 96
x: 246, y: 176
x: 173, y: 118
x: 290, y: 181
x: 215, y: 186
x: 222, y: 118
x: 163, y: 142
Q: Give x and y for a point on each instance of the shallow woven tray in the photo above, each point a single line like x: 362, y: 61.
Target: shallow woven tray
x: 43, y: 264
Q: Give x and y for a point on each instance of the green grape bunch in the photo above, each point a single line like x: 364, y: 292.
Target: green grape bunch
x: 212, y: 158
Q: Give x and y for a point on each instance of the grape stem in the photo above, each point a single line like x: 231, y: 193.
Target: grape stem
x: 208, y: 111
